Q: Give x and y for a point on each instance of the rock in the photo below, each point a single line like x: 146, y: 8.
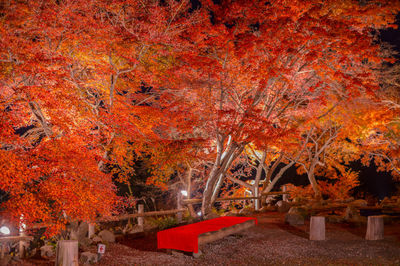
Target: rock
x: 360, y: 203
x: 211, y: 215
x: 82, y: 231
x: 295, y: 216
x: 107, y: 236
x: 350, y: 213
x: 47, y: 251
x: 245, y: 211
x: 294, y: 219
x: 85, y: 243
x: 96, y: 239
x: 283, y: 206
x: 88, y: 258
x: 5, y: 260
x: 334, y: 219
x: 136, y: 229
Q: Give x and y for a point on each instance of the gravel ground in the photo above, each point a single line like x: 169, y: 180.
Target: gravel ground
x: 271, y: 242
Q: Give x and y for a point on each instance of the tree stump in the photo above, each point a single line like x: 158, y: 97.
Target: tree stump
x: 374, y: 228
x: 67, y: 253
x: 317, y: 228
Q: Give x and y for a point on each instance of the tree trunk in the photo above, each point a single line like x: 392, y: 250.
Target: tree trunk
x: 271, y: 185
x: 313, y: 182
x: 67, y: 253
x: 217, y: 177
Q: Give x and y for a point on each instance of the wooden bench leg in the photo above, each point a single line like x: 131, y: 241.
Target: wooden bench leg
x: 197, y: 255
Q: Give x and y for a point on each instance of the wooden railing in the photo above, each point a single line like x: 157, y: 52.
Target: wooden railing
x: 10, y: 239
x: 263, y: 195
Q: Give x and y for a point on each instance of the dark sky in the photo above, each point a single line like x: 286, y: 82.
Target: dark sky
x: 392, y: 36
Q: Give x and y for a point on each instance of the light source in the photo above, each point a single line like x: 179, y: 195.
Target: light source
x: 4, y: 230
x: 199, y: 213
x: 184, y: 193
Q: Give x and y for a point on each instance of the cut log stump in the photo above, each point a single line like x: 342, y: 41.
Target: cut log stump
x: 374, y: 228
x: 317, y: 228
x: 67, y: 253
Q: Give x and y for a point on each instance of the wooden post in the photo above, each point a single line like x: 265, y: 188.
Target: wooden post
x: 257, y: 200
x: 317, y: 228
x: 285, y: 197
x: 2, y: 250
x: 21, y: 244
x: 263, y: 200
x: 140, y: 220
x: 179, y: 206
x: 374, y: 228
x: 91, y: 230
x: 67, y: 253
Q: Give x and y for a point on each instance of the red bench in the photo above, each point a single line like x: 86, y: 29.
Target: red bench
x: 190, y: 237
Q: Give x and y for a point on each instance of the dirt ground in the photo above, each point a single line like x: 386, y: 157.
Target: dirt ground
x: 271, y: 242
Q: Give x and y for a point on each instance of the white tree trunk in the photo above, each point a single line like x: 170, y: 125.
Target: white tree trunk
x: 67, y: 253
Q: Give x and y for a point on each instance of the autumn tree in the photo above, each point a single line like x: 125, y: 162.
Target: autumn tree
x: 73, y: 99
x: 253, y: 66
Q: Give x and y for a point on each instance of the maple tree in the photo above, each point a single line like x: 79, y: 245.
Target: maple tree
x: 72, y: 75
x: 87, y: 85
x: 257, y: 66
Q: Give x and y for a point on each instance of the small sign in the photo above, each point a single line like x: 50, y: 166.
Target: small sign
x: 101, y: 248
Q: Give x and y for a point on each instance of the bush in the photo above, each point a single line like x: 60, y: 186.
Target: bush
x: 164, y: 222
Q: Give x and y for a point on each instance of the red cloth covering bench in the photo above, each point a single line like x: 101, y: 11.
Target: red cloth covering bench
x: 186, y: 237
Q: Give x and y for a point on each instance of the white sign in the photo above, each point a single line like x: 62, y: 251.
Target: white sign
x: 101, y: 248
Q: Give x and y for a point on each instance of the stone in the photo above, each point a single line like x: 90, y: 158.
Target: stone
x: 136, y: 229
x: 360, y: 203
x: 283, y: 206
x: 85, y: 243
x: 107, y: 236
x: 96, y: 239
x: 295, y: 216
x: 244, y: 211
x: 334, y: 219
x: 47, y: 251
x: 350, y: 213
x: 88, y: 257
x: 6, y: 259
x: 82, y: 231
x: 294, y: 219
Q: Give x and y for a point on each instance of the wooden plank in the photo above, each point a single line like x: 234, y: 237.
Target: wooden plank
x: 197, y: 201
x: 6, y: 239
x: 215, y: 235
x: 134, y: 215
x: 275, y: 193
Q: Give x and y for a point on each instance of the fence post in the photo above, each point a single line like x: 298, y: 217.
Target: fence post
x: 140, y: 219
x: 2, y: 250
x: 67, y: 253
x: 21, y: 243
x: 375, y: 228
x: 256, y: 201
x: 317, y: 228
x: 285, y: 197
x: 179, y: 206
x: 91, y: 230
